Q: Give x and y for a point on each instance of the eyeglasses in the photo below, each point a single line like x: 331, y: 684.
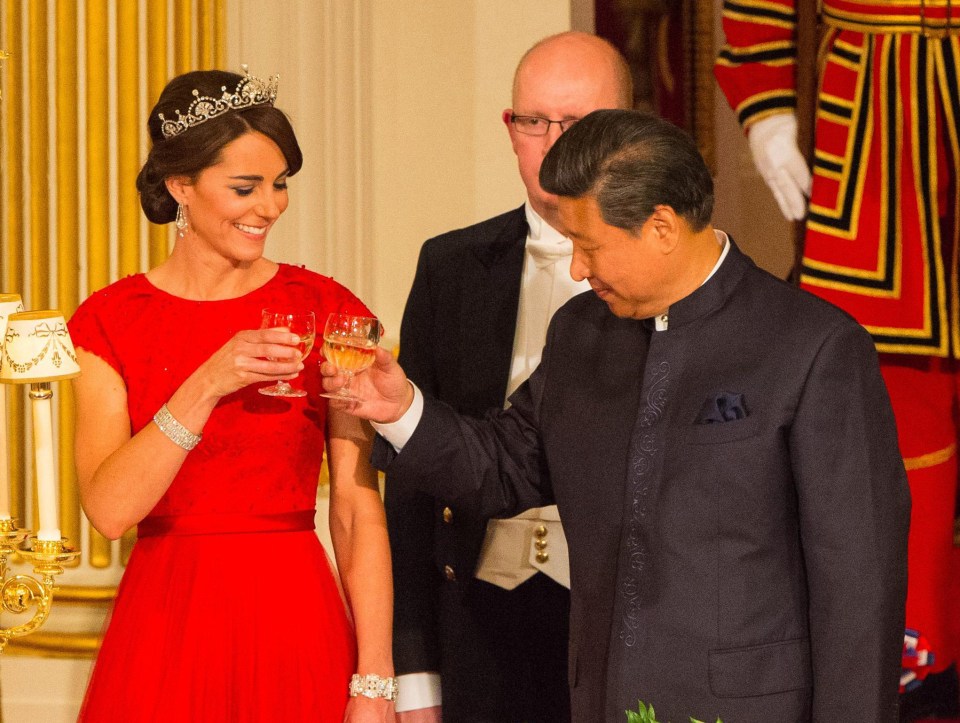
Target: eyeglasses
x: 532, y: 125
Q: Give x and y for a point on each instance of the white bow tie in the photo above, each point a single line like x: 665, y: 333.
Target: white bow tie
x: 548, y: 252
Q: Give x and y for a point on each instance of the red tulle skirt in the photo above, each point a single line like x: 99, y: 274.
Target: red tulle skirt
x: 225, y: 627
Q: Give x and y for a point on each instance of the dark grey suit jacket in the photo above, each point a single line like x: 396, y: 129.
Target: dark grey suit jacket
x: 753, y: 569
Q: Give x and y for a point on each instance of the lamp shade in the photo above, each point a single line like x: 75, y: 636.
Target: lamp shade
x: 37, y: 348
x: 9, y: 304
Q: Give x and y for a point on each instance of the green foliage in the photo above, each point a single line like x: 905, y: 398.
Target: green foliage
x: 645, y: 714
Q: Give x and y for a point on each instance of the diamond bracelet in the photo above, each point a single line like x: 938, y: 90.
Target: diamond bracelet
x: 176, y: 432
x: 373, y: 686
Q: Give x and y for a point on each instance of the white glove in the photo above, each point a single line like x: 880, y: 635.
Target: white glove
x: 773, y: 143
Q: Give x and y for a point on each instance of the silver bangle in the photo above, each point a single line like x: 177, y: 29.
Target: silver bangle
x: 373, y: 686
x: 176, y: 432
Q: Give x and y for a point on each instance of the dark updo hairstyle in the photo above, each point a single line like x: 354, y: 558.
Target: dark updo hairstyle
x: 199, y: 147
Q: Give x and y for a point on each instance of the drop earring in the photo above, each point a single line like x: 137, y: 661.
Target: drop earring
x: 181, y: 221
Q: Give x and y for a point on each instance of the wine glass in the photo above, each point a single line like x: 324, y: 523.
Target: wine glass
x: 301, y: 323
x: 350, y: 344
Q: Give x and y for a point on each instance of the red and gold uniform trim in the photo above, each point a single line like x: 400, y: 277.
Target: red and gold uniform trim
x: 934, y: 18
x: 886, y: 133
x: 931, y: 459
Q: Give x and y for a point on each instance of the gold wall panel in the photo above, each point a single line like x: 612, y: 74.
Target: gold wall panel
x: 12, y: 223
x: 68, y: 231
x: 97, y: 183
x: 70, y: 219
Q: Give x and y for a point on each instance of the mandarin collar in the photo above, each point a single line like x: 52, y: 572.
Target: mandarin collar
x: 715, y: 291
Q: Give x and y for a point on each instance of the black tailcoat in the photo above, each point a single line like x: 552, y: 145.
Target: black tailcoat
x: 456, y: 344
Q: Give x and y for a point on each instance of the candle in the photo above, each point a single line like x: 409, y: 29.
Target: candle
x: 46, y: 485
x: 4, y: 464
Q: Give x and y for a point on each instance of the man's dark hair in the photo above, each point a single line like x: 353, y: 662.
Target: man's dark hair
x: 631, y: 162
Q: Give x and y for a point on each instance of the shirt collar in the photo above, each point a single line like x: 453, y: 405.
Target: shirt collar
x: 540, y: 230
x: 724, y: 242
x: 661, y: 322
x: 544, y: 243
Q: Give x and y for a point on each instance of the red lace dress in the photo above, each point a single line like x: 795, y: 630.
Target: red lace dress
x: 228, y: 609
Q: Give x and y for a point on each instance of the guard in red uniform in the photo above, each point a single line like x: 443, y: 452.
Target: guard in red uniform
x: 881, y: 210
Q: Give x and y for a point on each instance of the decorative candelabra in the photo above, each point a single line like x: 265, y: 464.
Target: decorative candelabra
x: 36, y: 350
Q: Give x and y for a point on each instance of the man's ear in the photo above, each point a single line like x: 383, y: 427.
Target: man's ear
x: 666, y: 227
x: 177, y: 186
x: 505, y: 117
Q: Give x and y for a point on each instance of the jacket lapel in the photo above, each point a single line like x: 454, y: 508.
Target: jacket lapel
x: 489, y: 315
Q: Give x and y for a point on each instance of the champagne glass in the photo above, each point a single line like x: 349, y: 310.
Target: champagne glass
x: 350, y: 344
x: 301, y: 323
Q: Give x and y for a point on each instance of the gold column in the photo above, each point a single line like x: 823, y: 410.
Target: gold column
x: 128, y: 156
x: 157, y: 77
x: 98, y: 183
x: 220, y: 33
x: 13, y: 256
x: 183, y: 33
x: 38, y: 296
x: 205, y: 38
x: 38, y: 157
x: 97, y: 139
x: 128, y: 139
x: 68, y: 232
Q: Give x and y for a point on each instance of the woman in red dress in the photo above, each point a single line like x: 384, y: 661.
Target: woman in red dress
x: 229, y: 609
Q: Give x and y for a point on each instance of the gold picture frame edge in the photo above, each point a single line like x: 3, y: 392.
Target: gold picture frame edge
x: 49, y: 644
x: 704, y: 85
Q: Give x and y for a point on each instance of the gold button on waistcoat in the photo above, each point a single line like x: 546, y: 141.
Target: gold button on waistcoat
x: 449, y: 573
x: 447, y: 515
x: 541, y: 543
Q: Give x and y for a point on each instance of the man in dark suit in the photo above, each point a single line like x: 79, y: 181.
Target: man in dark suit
x: 481, y: 609
x: 720, y: 446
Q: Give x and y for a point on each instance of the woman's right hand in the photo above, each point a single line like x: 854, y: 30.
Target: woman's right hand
x: 122, y: 478
x: 252, y: 356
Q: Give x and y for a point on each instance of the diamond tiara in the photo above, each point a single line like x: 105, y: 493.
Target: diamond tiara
x: 250, y: 91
